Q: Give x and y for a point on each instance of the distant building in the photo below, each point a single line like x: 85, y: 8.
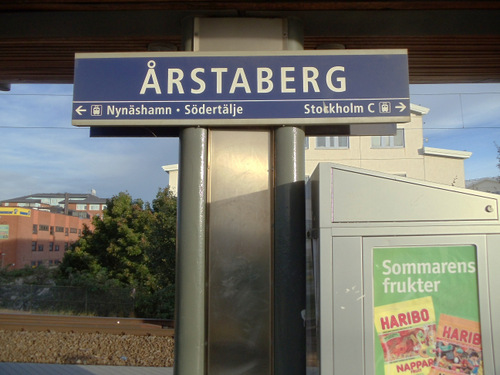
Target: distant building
x: 173, y: 174
x: 38, y: 229
x: 486, y: 184
x: 84, y: 206
x: 402, y: 154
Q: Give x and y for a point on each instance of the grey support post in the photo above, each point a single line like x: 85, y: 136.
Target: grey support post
x: 289, y: 253
x: 289, y: 240
x: 190, y: 267
x: 190, y: 294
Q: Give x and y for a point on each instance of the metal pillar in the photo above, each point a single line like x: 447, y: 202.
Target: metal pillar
x: 190, y: 266
x: 289, y: 243
x: 199, y: 345
x: 190, y: 330
x: 289, y: 253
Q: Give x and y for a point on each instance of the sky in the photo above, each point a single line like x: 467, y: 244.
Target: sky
x: 41, y: 152
x: 463, y: 117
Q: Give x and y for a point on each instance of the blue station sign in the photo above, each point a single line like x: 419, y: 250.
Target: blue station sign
x: 250, y: 88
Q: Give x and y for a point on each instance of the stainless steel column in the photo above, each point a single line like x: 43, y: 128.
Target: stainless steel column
x: 190, y: 267
x: 239, y: 253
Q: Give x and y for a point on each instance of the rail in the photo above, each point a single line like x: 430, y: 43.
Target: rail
x: 83, y: 324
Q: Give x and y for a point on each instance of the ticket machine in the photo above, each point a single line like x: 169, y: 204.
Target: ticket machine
x: 404, y: 276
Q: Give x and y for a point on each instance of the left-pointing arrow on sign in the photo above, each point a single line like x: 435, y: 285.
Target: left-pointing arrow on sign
x: 80, y: 110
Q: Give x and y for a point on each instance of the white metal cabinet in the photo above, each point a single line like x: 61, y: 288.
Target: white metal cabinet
x: 355, y: 214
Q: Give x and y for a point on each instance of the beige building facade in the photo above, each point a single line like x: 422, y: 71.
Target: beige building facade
x: 173, y: 175
x: 402, y: 154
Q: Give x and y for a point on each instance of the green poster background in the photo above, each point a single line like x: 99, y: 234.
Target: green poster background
x: 456, y: 293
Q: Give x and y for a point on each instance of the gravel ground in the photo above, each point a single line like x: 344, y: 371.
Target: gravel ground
x: 86, y: 348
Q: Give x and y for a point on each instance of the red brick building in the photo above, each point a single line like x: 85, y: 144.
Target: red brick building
x: 38, y: 229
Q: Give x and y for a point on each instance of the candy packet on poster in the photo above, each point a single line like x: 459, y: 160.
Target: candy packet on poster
x: 407, y: 333
x: 458, y: 347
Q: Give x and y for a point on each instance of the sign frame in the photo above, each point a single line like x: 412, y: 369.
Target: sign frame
x: 92, y: 89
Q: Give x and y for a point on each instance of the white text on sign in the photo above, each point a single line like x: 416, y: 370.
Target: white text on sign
x: 265, y: 82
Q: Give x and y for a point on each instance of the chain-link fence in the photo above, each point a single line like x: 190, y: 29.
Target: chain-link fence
x: 68, y: 300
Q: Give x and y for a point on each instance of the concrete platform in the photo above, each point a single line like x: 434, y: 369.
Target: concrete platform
x: 9, y: 368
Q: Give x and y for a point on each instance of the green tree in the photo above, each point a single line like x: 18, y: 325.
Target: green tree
x: 131, y: 245
x: 161, y: 254
x: 117, y: 244
x: 162, y: 239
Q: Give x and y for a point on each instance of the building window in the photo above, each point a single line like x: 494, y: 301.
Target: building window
x: 59, y: 229
x: 94, y: 207
x: 81, y: 207
x: 340, y: 142
x: 66, y: 231
x: 35, y: 229
x: 51, y: 230
x: 389, y: 141
x: 57, y: 247
x: 43, y: 227
x: 51, y: 246
x: 40, y: 247
x: 73, y: 230
x: 33, y: 246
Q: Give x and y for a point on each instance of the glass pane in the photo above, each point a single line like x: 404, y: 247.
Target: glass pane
x: 376, y: 141
x: 386, y: 141
x: 399, y: 138
x: 343, y: 142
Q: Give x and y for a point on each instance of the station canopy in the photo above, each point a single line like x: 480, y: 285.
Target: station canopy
x: 447, y: 41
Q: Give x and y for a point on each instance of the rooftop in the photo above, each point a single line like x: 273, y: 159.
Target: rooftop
x: 72, y: 198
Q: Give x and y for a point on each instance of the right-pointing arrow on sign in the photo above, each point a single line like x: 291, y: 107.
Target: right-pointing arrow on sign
x: 401, y: 107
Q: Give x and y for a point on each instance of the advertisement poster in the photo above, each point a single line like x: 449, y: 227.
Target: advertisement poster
x: 426, y: 311
x: 4, y: 232
x: 15, y: 211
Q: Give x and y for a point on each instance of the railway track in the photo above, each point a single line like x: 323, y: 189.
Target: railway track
x: 80, y: 324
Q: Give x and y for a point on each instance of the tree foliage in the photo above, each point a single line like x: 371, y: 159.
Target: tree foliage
x: 131, y: 245
x: 163, y: 236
